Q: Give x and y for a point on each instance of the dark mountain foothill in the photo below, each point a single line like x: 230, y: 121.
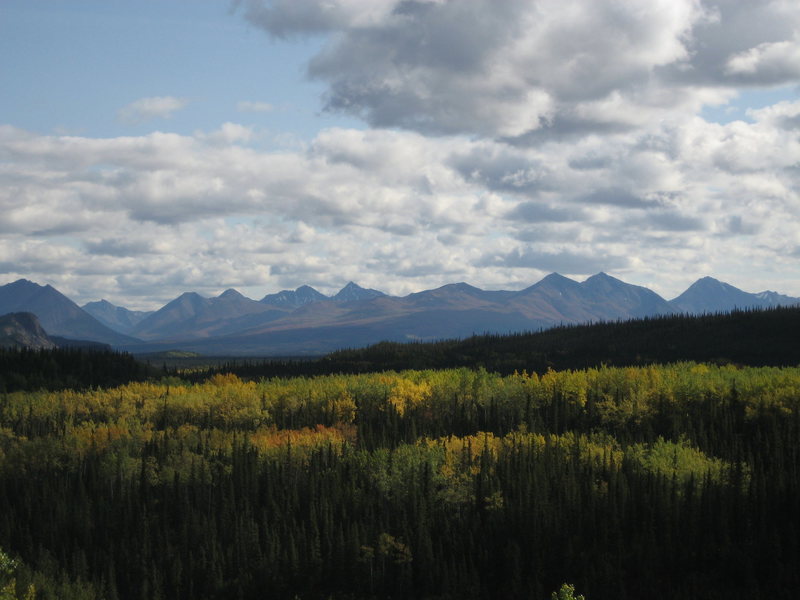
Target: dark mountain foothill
x: 23, y: 330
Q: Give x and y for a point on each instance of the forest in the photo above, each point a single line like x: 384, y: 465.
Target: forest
x: 749, y: 337
x: 674, y: 481
x: 69, y: 368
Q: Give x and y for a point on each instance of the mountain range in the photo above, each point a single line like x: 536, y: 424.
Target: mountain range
x: 305, y: 321
x: 57, y: 314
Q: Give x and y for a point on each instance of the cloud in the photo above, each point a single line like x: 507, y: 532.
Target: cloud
x: 531, y: 72
x: 738, y: 225
x: 504, y: 169
x: 533, y: 212
x: 120, y: 247
x: 669, y: 221
x: 143, y: 218
x: 612, y: 196
x: 283, y: 18
x: 147, y: 109
x: 248, y: 106
x: 564, y: 261
x: 770, y: 63
x: 228, y: 133
x: 590, y: 161
x: 505, y: 139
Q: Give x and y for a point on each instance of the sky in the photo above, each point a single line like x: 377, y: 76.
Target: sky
x: 156, y: 147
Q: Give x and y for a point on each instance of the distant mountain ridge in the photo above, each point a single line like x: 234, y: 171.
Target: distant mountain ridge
x: 708, y: 295
x: 353, y: 292
x: 114, y: 317
x: 58, y: 314
x: 305, y: 321
x: 191, y: 315
x: 303, y: 295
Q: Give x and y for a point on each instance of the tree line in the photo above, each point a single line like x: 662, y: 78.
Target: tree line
x: 754, y: 337
x: 69, y: 367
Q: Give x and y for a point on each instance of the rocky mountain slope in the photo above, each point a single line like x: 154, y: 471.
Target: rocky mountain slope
x: 23, y: 330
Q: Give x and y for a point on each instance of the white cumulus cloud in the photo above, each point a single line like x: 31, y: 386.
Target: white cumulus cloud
x: 529, y: 72
x: 146, y: 109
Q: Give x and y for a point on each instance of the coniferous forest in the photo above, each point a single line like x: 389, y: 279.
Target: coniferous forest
x: 678, y: 481
x: 24, y: 369
x: 749, y: 337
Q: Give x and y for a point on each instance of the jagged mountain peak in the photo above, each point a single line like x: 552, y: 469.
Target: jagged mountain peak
x: 771, y: 298
x: 102, y: 302
x: 24, y: 288
x: 709, y: 295
x: 305, y: 294
x: 191, y: 315
x: 101, y: 305
x: 185, y: 300
x: 22, y: 281
x: 710, y: 282
x: 603, y: 278
x: 555, y: 277
x: 706, y: 285
x: 554, y: 281
x: 448, y: 290
x: 28, y: 284
x: 308, y: 290
x: 189, y: 298
x: 115, y: 317
x: 602, y: 283
x: 231, y: 293
x: 460, y: 286
x: 354, y: 292
x: 350, y: 288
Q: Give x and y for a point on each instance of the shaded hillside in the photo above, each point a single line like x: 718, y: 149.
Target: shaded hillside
x: 23, y: 330
x: 756, y: 337
x: 767, y: 337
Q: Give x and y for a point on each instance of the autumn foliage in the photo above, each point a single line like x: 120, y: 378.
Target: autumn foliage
x: 417, y: 484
